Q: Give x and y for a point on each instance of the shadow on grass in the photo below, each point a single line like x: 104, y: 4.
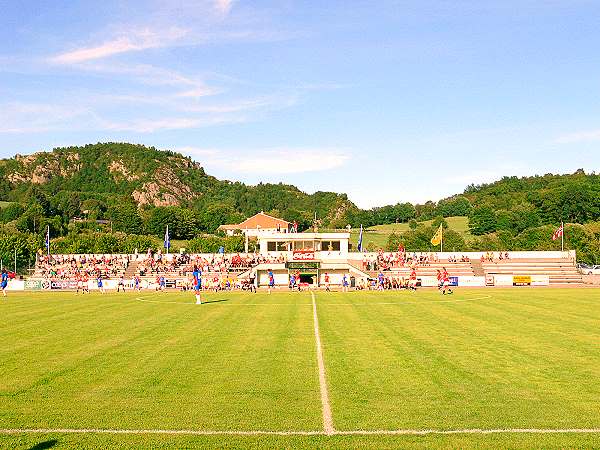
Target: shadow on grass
x: 44, y: 445
x: 215, y: 301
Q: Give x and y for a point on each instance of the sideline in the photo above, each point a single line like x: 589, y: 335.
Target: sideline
x: 300, y: 433
x: 144, y: 300
x: 367, y: 303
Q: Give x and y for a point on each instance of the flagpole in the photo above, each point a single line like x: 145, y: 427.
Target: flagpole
x: 562, y: 237
x: 167, y: 239
x: 441, y: 239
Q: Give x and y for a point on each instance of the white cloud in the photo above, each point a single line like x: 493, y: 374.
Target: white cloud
x: 22, y: 117
x: 582, y: 136
x: 132, y: 40
x: 278, y: 161
x: 171, y: 123
x: 223, y: 6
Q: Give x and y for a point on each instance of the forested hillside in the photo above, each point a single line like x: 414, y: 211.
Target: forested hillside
x: 137, y: 191
x: 140, y: 189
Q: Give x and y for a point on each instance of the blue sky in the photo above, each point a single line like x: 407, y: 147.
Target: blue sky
x: 387, y: 101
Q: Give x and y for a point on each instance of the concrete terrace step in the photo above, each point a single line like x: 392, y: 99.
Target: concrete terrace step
x: 131, y: 269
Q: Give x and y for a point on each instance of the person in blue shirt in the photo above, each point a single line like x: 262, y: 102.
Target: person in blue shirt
x: 345, y: 283
x: 162, y: 283
x: 292, y: 281
x: 197, y: 274
x: 271, y: 280
x: 101, y: 285
x: 380, y: 281
x: 4, y: 281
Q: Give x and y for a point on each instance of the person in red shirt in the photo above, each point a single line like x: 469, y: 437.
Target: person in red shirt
x: 326, y: 281
x: 412, y: 281
x: 79, y: 282
x: 440, y: 280
x: 86, y: 288
x: 446, y: 282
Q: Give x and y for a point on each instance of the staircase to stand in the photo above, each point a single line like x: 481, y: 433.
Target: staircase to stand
x: 131, y: 270
x: 477, y: 268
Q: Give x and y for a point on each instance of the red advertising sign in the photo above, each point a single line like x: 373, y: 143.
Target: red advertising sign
x: 304, y: 255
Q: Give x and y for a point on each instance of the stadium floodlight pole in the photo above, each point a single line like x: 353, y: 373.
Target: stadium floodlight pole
x: 441, y: 238
x: 15, y: 260
x: 48, y: 240
x: 562, y: 237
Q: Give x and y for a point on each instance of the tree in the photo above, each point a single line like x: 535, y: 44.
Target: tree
x: 25, y: 245
x: 12, y: 212
x: 403, y: 212
x: 125, y: 218
x: 425, y: 212
x: 482, y: 220
x: 215, y: 215
x: 439, y: 220
x: 31, y: 219
x: 93, y: 209
x: 393, y: 242
x: 183, y: 223
x: 456, y: 206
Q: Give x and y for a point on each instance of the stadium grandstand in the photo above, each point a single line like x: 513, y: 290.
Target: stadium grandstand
x: 313, y: 259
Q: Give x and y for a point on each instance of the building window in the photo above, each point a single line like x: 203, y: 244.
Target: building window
x: 277, y: 246
x: 330, y: 246
x: 304, y: 245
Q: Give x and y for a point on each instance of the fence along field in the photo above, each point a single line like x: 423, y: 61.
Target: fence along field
x: 396, y: 369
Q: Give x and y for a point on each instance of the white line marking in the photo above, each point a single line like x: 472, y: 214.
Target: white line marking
x: 470, y: 431
x: 180, y: 432
x: 327, y: 418
x: 400, y: 302
x: 300, y: 432
x: 208, y: 302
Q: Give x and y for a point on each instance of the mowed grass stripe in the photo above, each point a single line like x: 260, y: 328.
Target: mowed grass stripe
x: 135, y: 365
x: 463, y: 363
x: 532, y: 363
x: 42, y: 342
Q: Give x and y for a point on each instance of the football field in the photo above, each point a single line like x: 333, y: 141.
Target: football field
x: 482, y: 368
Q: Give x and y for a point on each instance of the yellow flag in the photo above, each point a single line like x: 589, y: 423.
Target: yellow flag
x: 437, y: 237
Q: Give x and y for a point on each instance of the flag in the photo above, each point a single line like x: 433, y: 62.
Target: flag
x: 437, y: 237
x: 48, y: 240
x: 360, y: 237
x: 167, y: 240
x: 559, y: 232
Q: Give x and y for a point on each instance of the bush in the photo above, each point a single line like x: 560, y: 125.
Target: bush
x: 26, y: 246
x: 104, y: 243
x: 11, y: 212
x: 211, y: 244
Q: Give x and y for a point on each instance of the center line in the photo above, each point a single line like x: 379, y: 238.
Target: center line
x: 327, y: 419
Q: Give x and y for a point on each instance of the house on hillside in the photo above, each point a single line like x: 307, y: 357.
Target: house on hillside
x: 256, y: 225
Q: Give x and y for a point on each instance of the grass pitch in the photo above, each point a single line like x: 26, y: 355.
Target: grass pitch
x: 481, y: 359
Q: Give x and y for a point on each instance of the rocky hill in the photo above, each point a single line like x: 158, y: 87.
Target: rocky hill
x: 148, y: 177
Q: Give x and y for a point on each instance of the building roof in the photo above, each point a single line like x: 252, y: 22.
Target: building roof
x: 260, y: 220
